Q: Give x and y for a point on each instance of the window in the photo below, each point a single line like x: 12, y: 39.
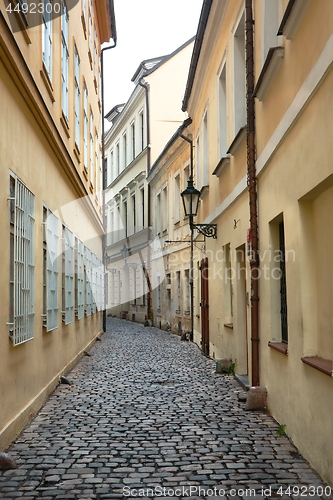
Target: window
x: 97, y: 163
x: 88, y: 281
x: 228, y: 286
x: 177, y: 199
x: 50, y: 270
x: 79, y: 279
x: 158, y: 213
x: 164, y: 214
x: 77, y: 97
x: 197, y: 163
x: 133, y: 139
x: 90, y: 30
x: 142, y: 130
x: 91, y: 152
x: 124, y: 150
x: 239, y: 77
x: 187, y: 292
x: 117, y: 159
x: 112, y: 172
x: 142, y: 191
x: 271, y: 16
x: 283, y: 285
x: 134, y: 213
x: 158, y: 294
x: 178, y: 293
x: 223, y: 136
x: 47, y: 36
x: 205, y: 150
x: 21, y: 287
x: 64, y: 61
x: 85, y: 126
x: 67, y: 276
x: 125, y: 218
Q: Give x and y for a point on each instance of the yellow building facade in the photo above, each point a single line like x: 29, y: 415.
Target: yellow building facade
x: 53, y: 281
x: 292, y: 55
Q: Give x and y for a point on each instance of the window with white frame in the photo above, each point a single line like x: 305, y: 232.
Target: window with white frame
x: 177, y: 199
x: 178, y: 293
x: 117, y: 169
x: 197, y: 163
x: 88, y: 281
x: 112, y: 172
x: 94, y: 283
x: 158, y: 213
x: 133, y: 284
x: 164, y: 214
x: 91, y: 152
x: 205, y: 150
x: 223, y: 123
x: 50, y: 270
x: 142, y: 193
x: 77, y: 106
x: 239, y: 77
x: 90, y: 14
x: 96, y: 183
x: 21, y: 265
x: 133, y: 139
x: 271, y: 15
x: 47, y: 36
x: 119, y: 286
x: 142, y: 130
x: 84, y: 11
x: 67, y: 276
x: 158, y: 302
x: 85, y: 126
x: 124, y: 150
x: 79, y: 279
x: 134, y: 212
x: 64, y: 60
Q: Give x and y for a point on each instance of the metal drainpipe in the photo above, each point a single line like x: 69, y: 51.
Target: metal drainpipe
x: 192, y: 241
x: 252, y: 185
x: 147, y: 271
x: 104, y: 183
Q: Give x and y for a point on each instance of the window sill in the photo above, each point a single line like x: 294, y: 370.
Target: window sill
x: 84, y: 26
x: 268, y: 72
x: 77, y: 153
x: 237, y: 142
x: 85, y: 173
x: 46, y: 79
x: 279, y: 346
x: 204, y: 191
x: 65, y: 125
x: 321, y: 364
x: 221, y: 166
x: 229, y: 325
x: 292, y: 17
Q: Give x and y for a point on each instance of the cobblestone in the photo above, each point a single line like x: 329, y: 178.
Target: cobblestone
x: 146, y: 415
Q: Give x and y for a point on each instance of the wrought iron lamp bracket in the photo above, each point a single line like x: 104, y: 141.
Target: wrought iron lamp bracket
x: 208, y: 230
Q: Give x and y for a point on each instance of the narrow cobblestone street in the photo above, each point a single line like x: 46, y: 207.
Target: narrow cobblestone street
x: 147, y: 416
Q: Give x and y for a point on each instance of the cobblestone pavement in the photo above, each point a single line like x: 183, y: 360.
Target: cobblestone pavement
x: 147, y: 416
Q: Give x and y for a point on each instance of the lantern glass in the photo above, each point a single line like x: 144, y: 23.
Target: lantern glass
x: 190, y: 197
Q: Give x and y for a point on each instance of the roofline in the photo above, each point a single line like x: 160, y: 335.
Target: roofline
x: 163, y: 60
x: 206, y: 7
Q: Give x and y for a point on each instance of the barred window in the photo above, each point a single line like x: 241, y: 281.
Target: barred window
x: 47, y: 36
x: 88, y: 280
x: 64, y: 60
x: 50, y: 270
x: 77, y: 104
x: 22, y: 225
x: 79, y: 279
x: 67, y: 276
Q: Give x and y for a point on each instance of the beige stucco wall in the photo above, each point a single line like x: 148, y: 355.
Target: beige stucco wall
x: 35, y: 147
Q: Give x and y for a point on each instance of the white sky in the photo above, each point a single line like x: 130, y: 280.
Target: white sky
x: 145, y: 29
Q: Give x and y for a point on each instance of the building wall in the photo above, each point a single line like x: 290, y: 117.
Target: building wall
x: 37, y: 151
x: 293, y: 127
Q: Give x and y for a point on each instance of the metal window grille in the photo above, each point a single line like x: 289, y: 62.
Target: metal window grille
x: 88, y: 281
x: 50, y: 318
x: 68, y: 277
x: 21, y: 326
x: 79, y: 277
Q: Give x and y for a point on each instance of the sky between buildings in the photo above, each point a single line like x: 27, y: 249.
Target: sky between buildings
x: 145, y: 29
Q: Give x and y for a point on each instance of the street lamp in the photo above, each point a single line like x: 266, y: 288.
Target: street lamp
x: 125, y: 253
x: 191, y: 198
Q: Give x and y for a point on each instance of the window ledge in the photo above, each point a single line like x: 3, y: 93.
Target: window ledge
x: 268, y: 72
x: 77, y: 153
x: 321, y: 364
x: 221, y: 166
x: 46, y: 79
x: 279, y: 346
x: 203, y: 191
x: 229, y: 325
x: 237, y: 142
x: 85, y: 173
x: 292, y: 17
x: 65, y: 125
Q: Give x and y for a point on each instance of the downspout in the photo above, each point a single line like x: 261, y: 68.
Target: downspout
x: 252, y: 186
x: 104, y: 183
x: 147, y: 268
x: 192, y: 237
